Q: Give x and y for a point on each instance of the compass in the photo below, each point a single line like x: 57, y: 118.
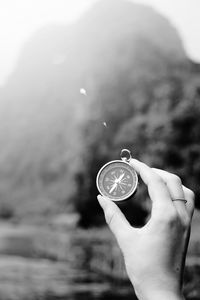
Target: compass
x: 117, y: 180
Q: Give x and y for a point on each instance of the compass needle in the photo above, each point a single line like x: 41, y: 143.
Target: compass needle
x: 113, y: 188
x: 121, y: 176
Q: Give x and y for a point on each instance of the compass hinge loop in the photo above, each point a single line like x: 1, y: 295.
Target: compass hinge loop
x: 125, y: 155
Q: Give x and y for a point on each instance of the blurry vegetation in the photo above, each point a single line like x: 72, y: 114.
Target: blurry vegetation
x: 43, y: 263
x: 139, y: 81
x: 6, y: 211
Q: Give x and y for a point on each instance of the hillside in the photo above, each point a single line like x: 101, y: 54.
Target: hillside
x: 115, y: 51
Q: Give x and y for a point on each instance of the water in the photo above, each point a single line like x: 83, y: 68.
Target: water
x: 46, y: 264
x: 26, y: 278
x: 41, y: 264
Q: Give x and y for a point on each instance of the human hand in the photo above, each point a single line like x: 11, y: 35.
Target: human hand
x: 155, y: 254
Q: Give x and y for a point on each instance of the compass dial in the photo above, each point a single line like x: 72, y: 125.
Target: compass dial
x: 117, y: 180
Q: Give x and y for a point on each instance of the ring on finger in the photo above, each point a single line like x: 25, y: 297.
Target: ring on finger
x: 179, y: 199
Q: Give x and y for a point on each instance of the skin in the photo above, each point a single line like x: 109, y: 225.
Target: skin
x: 155, y: 254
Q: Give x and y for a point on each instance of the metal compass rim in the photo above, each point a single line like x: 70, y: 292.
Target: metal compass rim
x: 127, y: 195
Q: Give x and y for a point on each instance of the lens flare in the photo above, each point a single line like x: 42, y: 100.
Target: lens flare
x: 83, y: 92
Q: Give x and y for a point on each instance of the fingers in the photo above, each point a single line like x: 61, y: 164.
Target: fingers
x: 178, y: 191
x: 163, y: 187
x: 174, y: 185
x: 158, y: 190
x: 114, y: 218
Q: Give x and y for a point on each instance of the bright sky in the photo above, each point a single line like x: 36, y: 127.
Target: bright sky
x: 20, y: 18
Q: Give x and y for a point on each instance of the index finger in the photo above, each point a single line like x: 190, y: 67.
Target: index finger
x: 157, y: 189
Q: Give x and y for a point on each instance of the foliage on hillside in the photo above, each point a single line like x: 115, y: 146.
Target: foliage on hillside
x: 138, y: 80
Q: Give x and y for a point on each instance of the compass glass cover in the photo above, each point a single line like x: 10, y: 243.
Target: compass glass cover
x: 117, y: 180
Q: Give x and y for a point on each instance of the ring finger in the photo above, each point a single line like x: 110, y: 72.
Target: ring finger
x: 175, y: 187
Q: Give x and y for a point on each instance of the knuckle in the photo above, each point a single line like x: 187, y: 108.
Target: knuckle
x: 171, y: 217
x: 175, y: 178
x: 156, y: 178
x: 190, y: 194
x: 168, y: 217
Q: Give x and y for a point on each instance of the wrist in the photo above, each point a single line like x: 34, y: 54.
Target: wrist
x: 158, y: 294
x: 158, y: 290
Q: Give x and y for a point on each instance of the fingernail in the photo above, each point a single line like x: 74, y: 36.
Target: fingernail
x: 102, y: 201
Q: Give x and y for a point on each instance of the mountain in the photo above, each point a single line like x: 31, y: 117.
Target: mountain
x: 42, y: 111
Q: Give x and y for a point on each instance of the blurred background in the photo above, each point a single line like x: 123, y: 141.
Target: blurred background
x: 79, y: 81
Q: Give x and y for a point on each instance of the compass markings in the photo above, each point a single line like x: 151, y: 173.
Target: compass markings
x: 117, y: 181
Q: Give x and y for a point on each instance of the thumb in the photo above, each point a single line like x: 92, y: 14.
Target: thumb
x: 114, y: 218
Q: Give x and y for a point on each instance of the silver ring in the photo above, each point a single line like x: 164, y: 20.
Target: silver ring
x: 179, y: 199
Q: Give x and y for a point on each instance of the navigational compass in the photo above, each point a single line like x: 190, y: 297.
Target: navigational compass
x: 117, y: 180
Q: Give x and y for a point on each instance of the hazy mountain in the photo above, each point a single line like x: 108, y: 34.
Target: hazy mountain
x: 42, y: 111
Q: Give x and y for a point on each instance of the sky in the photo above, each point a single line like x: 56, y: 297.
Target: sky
x: 20, y: 18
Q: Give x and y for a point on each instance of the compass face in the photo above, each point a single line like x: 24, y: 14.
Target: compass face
x: 117, y: 180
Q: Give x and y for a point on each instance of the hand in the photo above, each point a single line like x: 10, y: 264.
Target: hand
x: 155, y: 254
